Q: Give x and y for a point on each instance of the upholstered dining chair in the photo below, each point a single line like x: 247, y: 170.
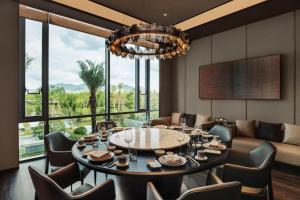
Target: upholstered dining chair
x: 252, y: 169
x: 214, y: 190
x: 59, y: 153
x: 224, y: 133
x: 51, y: 186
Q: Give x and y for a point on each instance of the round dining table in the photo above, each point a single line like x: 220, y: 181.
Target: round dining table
x: 132, y: 181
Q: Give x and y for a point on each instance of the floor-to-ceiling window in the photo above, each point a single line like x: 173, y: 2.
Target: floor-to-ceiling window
x: 56, y: 85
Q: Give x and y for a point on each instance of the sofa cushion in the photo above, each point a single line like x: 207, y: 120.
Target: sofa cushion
x: 245, y: 128
x: 291, y: 134
x: 200, y: 119
x: 269, y: 131
x: 286, y: 153
x: 176, y: 118
x: 190, y: 119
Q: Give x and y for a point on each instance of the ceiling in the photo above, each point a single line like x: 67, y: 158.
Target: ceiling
x: 153, y: 11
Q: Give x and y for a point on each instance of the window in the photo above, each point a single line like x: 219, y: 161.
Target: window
x: 33, y: 68
x: 122, y: 84
x: 69, y: 92
x: 31, y: 139
x: 56, y: 94
x: 154, y: 87
x: 142, y: 85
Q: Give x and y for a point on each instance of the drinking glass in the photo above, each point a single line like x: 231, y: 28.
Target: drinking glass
x: 180, y: 138
x: 183, y: 123
x: 128, y: 137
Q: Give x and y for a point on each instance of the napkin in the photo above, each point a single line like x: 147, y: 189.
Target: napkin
x: 172, y: 159
x: 98, y: 154
x: 216, y: 144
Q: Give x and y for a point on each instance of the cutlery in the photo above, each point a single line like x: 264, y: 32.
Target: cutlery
x: 110, y: 162
x: 193, y: 160
x: 113, y: 164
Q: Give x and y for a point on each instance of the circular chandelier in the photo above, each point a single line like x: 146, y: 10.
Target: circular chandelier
x: 154, y: 41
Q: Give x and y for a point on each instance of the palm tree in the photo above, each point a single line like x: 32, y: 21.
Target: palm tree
x: 28, y: 60
x: 92, y: 75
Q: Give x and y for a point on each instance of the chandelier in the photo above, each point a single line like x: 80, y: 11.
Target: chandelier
x: 154, y: 41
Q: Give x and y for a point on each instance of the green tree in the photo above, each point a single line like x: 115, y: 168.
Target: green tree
x: 92, y: 75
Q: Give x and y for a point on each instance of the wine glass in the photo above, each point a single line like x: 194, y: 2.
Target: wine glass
x: 180, y: 138
x: 128, y: 137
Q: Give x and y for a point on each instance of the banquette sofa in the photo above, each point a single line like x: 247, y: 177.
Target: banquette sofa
x: 285, y: 137
x: 247, y: 135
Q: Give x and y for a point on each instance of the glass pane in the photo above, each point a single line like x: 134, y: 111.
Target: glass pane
x: 31, y: 140
x: 154, y: 84
x: 129, y: 120
x: 76, y: 67
x: 72, y: 128
x: 122, y: 84
x: 33, y: 68
x: 154, y: 115
x: 142, y: 90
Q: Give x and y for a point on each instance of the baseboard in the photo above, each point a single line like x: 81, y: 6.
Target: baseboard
x: 291, y: 169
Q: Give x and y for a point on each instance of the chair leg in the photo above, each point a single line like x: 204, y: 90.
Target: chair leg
x: 72, y: 188
x: 106, y: 176
x: 82, y: 181
x: 35, y: 196
x: 270, y: 189
x: 47, y: 165
x: 95, y: 177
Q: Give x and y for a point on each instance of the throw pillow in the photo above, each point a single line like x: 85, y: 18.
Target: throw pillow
x: 269, y: 131
x: 291, y: 134
x: 176, y: 118
x: 200, y: 119
x: 245, y: 128
x: 190, y: 119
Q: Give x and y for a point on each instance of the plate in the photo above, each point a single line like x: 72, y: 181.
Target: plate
x: 207, y: 146
x: 80, y: 146
x: 201, y: 159
x: 121, y: 165
x: 105, y: 158
x: 162, y: 160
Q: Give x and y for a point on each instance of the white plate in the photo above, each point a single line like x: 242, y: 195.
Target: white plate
x: 207, y: 146
x: 201, y: 159
x: 161, y: 159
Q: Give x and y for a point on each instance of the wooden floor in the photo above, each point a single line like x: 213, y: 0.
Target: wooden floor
x: 16, y: 184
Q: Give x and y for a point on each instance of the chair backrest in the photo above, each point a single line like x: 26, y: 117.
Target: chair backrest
x: 224, y: 133
x: 105, y: 124
x: 224, y: 191
x: 45, y: 187
x: 57, y: 141
x: 264, y: 155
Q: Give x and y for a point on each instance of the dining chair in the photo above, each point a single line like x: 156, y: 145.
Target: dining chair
x: 51, y: 186
x: 106, y: 124
x: 214, y: 190
x: 224, y: 133
x: 59, y: 153
x: 252, y: 169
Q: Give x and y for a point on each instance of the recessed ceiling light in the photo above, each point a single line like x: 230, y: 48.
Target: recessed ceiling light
x: 165, y: 14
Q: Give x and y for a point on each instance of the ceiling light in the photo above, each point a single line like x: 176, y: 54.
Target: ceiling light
x: 170, y: 41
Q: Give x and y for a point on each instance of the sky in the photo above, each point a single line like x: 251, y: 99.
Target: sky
x: 66, y: 47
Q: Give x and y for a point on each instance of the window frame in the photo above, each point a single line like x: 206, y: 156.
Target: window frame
x: 45, y: 83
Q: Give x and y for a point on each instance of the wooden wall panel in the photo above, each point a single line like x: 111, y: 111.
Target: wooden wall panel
x: 178, y: 86
x: 274, y: 36
x: 9, y: 77
x: 199, y: 55
x: 227, y: 46
x: 165, y: 95
x: 297, y: 50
